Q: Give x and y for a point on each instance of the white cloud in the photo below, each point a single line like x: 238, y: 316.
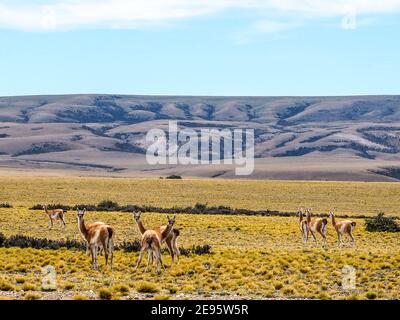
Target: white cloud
x: 253, y: 31
x: 70, y: 14
x: 266, y: 26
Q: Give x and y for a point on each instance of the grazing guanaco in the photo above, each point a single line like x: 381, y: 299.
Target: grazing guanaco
x: 317, y: 225
x: 151, y: 242
x: 170, y: 240
x: 343, y: 227
x: 55, y: 214
x: 303, y: 226
x: 98, y: 236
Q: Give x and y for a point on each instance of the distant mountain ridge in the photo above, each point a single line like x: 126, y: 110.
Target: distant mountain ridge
x: 68, y: 126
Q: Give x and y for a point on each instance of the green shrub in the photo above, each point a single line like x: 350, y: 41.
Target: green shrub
x: 200, y: 207
x: 380, y: 223
x: 108, y: 205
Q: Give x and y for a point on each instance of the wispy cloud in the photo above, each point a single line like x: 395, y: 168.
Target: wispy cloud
x: 72, y: 14
x: 257, y: 28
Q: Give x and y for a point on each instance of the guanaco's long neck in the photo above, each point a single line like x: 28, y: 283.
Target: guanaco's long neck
x: 333, y: 220
x: 82, y: 227
x: 308, y: 217
x: 300, y: 218
x: 167, y: 231
x: 141, y: 227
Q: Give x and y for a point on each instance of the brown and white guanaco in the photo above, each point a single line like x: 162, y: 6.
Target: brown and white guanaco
x: 152, y: 243
x: 304, y: 229
x: 343, y: 227
x: 98, y: 236
x: 55, y: 214
x: 317, y: 225
x: 170, y: 240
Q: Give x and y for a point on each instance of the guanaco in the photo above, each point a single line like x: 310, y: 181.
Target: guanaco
x: 151, y: 242
x: 55, y: 214
x: 303, y: 226
x: 170, y: 240
x: 98, y: 236
x: 317, y: 225
x: 343, y: 227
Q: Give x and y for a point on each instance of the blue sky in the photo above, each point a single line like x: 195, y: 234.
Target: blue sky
x: 194, y: 47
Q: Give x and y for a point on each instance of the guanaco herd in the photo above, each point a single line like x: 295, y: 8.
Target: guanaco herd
x: 100, y: 236
x: 319, y: 225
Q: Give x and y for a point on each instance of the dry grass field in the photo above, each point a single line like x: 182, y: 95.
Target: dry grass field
x: 365, y: 198
x: 252, y: 256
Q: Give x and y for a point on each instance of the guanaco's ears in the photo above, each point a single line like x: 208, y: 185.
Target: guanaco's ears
x: 171, y: 219
x: 136, y: 214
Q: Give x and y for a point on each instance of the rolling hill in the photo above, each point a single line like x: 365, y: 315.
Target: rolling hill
x: 335, y: 138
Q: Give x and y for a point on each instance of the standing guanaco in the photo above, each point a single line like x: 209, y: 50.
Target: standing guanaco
x: 170, y: 240
x: 55, y: 214
x: 317, y: 225
x: 303, y: 226
x: 343, y: 227
x: 151, y: 242
x: 98, y: 236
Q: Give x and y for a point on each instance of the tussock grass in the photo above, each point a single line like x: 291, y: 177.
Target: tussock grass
x: 32, y: 296
x: 105, y: 294
x: 146, y: 287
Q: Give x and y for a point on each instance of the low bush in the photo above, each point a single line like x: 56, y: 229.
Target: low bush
x: 173, y: 176
x: 198, y: 208
x: 51, y: 206
x: 20, y: 241
x: 108, y: 205
x: 39, y: 243
x: 380, y: 223
x: 130, y: 246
